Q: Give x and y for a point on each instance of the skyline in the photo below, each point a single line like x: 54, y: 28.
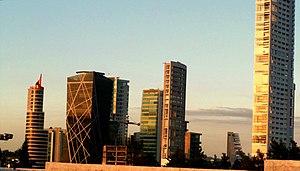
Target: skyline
x: 132, y: 40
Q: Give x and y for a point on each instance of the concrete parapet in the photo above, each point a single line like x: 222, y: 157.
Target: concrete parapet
x: 281, y: 165
x: 54, y: 166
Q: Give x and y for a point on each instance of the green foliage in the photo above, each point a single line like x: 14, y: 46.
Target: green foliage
x: 177, y: 160
x: 225, y: 164
x: 23, y: 156
x: 198, y: 161
x: 258, y: 160
x: 294, y: 151
x: 281, y: 151
x: 245, y: 163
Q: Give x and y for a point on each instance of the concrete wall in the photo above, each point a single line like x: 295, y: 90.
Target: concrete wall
x: 97, y: 167
x: 282, y: 165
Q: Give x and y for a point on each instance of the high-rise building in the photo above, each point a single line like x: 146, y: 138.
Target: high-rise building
x: 36, y: 136
x: 274, y: 88
x: 120, y: 109
x: 89, y: 103
x: 192, y: 144
x: 173, y: 119
x: 233, y: 146
x: 150, y: 129
x: 57, y: 145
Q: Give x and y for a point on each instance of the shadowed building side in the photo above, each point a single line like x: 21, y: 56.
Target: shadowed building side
x: 89, y: 102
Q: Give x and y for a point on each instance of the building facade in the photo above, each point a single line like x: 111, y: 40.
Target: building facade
x: 234, y: 146
x: 150, y: 129
x: 36, y: 136
x: 57, y: 145
x: 274, y: 88
x: 89, y: 103
x: 120, y: 109
x: 192, y: 144
x: 173, y: 119
x: 114, y: 155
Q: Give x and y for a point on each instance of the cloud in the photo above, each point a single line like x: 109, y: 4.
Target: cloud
x: 221, y: 115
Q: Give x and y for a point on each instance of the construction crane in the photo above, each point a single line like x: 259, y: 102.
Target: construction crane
x: 132, y: 123
x: 6, y: 136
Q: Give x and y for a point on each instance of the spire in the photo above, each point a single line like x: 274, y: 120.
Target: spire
x: 38, y: 84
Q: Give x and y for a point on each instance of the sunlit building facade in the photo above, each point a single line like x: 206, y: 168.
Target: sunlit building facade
x: 150, y: 130
x: 120, y: 109
x: 173, y: 119
x: 36, y: 135
x: 89, y: 103
x: 274, y: 88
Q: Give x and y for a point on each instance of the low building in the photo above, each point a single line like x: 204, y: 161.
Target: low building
x: 57, y: 145
x: 192, y: 144
x: 233, y: 146
x: 114, y: 155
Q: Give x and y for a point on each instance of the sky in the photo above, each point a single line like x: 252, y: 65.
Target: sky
x: 132, y: 39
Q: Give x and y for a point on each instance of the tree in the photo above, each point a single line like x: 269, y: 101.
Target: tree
x: 23, y: 155
x: 0, y: 157
x: 258, y: 160
x: 278, y: 150
x: 281, y: 151
x: 215, y: 163
x: 177, y: 159
x: 225, y: 164
x: 198, y: 161
x: 245, y: 163
x: 294, y: 151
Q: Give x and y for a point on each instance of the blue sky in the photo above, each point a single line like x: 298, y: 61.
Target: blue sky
x: 132, y: 39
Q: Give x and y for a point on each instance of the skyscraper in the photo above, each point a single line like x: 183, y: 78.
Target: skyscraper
x: 89, y: 103
x: 151, y: 123
x: 36, y: 136
x: 233, y: 146
x: 173, y: 119
x: 274, y: 88
x: 120, y: 109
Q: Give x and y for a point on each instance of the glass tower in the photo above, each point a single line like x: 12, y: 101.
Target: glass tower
x: 274, y: 88
x: 151, y: 123
x: 120, y: 109
x: 89, y: 97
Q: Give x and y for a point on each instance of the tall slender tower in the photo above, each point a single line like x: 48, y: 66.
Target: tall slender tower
x: 89, y: 102
x: 173, y: 119
x: 151, y: 123
x: 274, y: 88
x: 120, y: 109
x: 36, y: 136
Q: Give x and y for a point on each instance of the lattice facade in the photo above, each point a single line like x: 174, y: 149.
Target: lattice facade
x: 89, y: 96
